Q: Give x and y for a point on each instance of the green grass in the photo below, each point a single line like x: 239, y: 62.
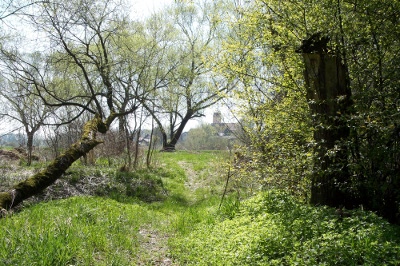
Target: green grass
x: 269, y: 229
x: 75, y: 231
x: 105, y: 230
x: 187, y: 208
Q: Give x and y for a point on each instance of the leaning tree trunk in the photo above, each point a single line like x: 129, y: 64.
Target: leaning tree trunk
x: 170, y: 146
x: 48, y: 176
x: 329, y: 98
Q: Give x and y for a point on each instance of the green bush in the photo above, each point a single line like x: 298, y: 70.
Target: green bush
x: 273, y: 228
x: 143, y: 184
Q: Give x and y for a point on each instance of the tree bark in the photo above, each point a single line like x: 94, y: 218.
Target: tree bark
x: 329, y: 98
x: 170, y: 146
x: 29, y: 146
x: 56, y: 169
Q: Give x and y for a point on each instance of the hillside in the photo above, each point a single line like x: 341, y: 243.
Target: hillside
x: 170, y: 216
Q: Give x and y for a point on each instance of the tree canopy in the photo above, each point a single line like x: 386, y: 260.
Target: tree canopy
x: 261, y: 53
x: 315, y: 85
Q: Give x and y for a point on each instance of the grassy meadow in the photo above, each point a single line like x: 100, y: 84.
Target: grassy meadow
x: 171, y: 215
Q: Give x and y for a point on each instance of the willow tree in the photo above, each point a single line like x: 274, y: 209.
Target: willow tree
x: 329, y: 97
x: 9, y: 8
x: 18, y: 105
x: 80, y: 72
x: 191, y: 86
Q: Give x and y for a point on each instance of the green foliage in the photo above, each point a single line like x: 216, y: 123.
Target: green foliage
x: 145, y: 185
x: 273, y: 228
x: 229, y: 207
x: 372, y: 47
x: 271, y: 95
x: 204, y: 137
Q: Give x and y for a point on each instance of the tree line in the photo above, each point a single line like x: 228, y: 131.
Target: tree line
x: 315, y: 85
x: 91, y: 61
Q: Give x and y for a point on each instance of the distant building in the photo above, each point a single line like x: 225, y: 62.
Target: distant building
x: 223, y: 129
x: 144, y: 140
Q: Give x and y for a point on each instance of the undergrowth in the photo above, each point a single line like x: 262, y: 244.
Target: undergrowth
x: 179, y: 201
x: 273, y: 228
x: 107, y: 229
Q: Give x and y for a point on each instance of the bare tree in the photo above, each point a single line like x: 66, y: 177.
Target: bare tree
x: 25, y: 108
x: 80, y: 74
x: 9, y: 8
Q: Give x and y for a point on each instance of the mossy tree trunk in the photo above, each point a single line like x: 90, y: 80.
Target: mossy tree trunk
x: 56, y: 169
x: 329, y: 98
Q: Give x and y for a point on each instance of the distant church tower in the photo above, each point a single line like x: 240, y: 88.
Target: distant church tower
x: 217, y: 118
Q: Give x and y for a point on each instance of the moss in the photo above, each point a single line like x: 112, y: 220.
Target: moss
x: 5, y: 200
x: 48, y: 176
x: 31, y: 181
x: 96, y: 125
x: 91, y: 127
x: 53, y: 171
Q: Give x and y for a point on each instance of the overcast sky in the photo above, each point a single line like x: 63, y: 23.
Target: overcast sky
x: 144, y: 8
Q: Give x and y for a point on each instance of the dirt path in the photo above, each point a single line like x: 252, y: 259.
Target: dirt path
x: 192, y: 183
x: 154, y: 248
x: 154, y: 244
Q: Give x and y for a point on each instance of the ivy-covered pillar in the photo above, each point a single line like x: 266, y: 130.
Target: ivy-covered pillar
x: 329, y: 98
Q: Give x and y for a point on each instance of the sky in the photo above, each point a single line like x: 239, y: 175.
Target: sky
x: 144, y: 8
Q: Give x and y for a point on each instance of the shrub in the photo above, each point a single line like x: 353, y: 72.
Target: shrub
x: 273, y: 228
